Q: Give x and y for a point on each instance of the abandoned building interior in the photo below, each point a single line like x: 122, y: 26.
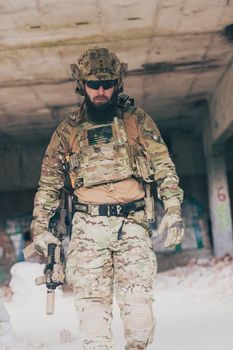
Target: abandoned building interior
x: 180, y: 59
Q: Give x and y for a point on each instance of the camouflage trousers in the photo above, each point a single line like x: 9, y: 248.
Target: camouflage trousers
x: 98, y: 265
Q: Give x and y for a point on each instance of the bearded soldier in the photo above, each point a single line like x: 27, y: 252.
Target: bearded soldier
x: 112, y: 150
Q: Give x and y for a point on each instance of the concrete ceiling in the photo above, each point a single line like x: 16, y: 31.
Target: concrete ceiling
x: 176, y: 51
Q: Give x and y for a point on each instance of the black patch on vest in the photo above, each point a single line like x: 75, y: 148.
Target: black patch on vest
x: 102, y: 134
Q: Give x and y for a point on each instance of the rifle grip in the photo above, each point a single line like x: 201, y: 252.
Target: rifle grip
x: 50, y: 302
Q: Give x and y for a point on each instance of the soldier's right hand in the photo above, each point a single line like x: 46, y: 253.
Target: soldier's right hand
x: 42, y: 240
x: 54, y: 277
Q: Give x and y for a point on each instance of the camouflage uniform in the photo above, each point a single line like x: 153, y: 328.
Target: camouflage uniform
x: 98, y: 262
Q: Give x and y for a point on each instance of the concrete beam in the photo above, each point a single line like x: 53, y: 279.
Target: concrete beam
x: 221, y: 108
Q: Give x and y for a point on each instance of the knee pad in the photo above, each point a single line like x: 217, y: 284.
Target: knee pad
x: 140, y: 318
x: 139, y: 326
x: 93, y: 320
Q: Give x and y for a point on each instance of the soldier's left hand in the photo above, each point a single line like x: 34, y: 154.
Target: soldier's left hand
x: 172, y: 222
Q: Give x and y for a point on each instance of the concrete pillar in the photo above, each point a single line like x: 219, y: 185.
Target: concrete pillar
x: 220, y: 209
x: 217, y: 130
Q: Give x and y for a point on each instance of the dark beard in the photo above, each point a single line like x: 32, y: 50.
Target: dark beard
x: 101, y: 114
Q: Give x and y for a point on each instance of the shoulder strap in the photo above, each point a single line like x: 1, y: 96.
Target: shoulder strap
x: 75, y: 119
x: 131, y: 127
x: 73, y: 146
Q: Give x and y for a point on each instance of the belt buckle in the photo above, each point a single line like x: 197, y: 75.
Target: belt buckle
x: 94, y: 210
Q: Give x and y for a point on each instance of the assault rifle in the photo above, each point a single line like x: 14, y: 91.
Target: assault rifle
x: 60, y: 227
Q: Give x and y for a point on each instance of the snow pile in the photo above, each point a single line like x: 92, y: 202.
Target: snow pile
x: 193, y: 309
x: 213, y: 277
x: 28, y: 310
x: 23, y: 282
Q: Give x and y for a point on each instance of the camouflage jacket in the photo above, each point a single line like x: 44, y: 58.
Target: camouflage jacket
x: 52, y: 174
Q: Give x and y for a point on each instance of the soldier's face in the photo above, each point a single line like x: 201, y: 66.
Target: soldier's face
x: 99, y: 92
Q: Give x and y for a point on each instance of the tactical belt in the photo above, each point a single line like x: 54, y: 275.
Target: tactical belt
x: 109, y: 209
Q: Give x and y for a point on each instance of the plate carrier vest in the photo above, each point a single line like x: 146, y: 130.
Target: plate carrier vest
x: 103, y: 155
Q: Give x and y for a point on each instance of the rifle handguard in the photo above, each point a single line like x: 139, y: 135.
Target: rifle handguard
x: 54, y: 275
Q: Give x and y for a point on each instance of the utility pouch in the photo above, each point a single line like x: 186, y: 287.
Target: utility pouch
x: 73, y: 164
x: 141, y: 163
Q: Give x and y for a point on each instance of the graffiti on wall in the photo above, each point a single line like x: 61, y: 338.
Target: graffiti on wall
x: 220, y: 199
x: 222, y: 207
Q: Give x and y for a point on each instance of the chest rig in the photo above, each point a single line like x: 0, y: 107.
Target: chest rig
x: 102, y: 154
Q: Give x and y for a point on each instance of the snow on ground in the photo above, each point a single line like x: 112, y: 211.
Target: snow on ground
x: 193, y: 308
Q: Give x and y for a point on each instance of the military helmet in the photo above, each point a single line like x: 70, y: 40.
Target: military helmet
x: 98, y: 64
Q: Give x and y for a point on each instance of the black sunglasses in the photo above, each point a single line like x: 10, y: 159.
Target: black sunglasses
x: 96, y: 84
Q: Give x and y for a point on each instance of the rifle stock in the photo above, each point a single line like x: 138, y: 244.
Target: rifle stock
x: 29, y: 250
x: 50, y: 296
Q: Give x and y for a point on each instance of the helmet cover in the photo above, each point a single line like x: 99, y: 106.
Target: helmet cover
x: 97, y: 64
